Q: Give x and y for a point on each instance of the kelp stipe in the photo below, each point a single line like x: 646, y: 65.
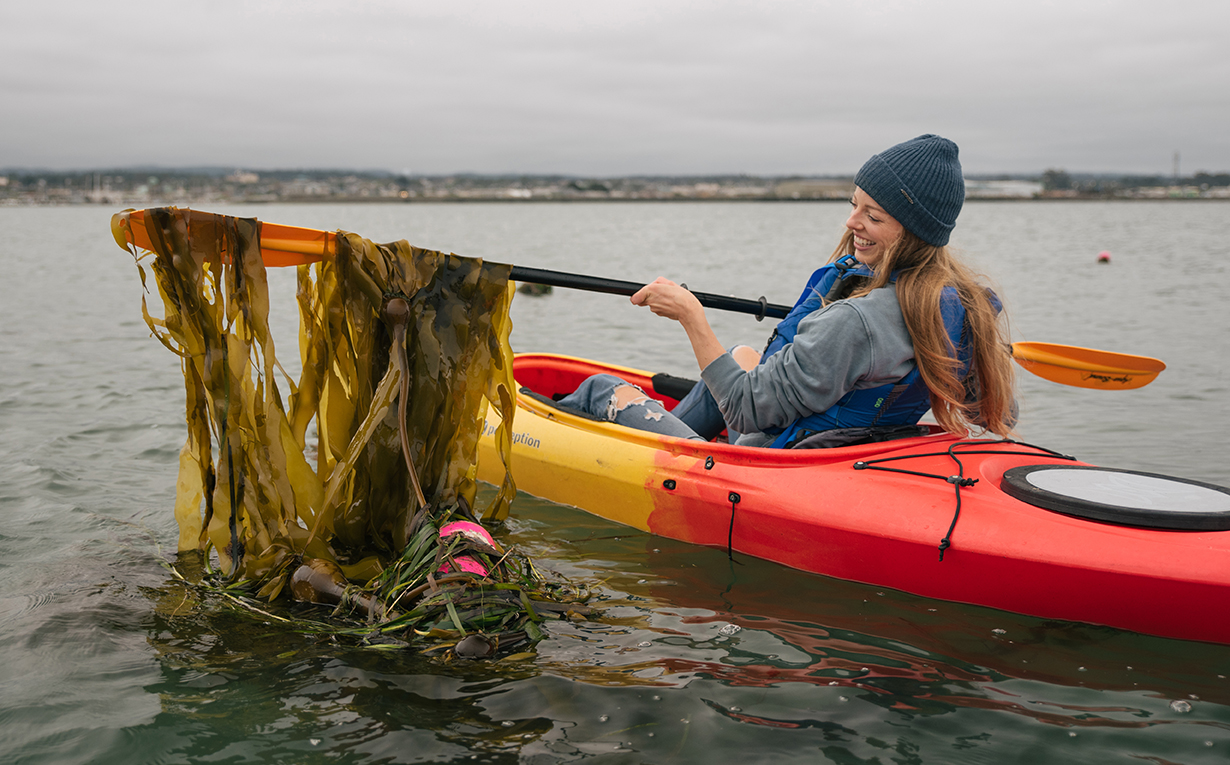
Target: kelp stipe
x: 355, y: 523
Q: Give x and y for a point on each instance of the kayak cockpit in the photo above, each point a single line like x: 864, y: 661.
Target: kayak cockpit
x: 543, y: 379
x: 1106, y: 495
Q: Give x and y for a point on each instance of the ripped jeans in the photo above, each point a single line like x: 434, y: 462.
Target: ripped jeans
x: 696, y: 416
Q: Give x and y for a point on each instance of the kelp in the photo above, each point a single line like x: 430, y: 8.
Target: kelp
x: 402, y: 350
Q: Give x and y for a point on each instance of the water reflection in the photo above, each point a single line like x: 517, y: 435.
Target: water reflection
x: 257, y: 687
x: 906, y: 655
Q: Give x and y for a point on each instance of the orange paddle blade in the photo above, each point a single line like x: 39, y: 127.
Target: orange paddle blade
x: 280, y: 245
x: 1086, y: 367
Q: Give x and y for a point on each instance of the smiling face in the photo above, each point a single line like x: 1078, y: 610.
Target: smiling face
x: 874, y: 230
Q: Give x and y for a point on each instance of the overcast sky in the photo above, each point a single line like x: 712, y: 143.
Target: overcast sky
x: 614, y: 88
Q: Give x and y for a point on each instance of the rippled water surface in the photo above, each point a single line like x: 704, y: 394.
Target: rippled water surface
x: 105, y: 658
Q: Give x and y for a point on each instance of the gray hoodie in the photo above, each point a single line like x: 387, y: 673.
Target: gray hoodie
x: 844, y: 346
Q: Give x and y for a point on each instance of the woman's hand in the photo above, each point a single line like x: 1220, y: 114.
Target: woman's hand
x: 665, y: 298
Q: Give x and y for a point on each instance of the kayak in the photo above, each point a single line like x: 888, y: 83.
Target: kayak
x: 986, y: 522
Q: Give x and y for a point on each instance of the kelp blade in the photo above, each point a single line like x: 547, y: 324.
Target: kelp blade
x: 245, y: 488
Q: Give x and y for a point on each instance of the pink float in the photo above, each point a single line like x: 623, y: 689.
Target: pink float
x: 471, y: 531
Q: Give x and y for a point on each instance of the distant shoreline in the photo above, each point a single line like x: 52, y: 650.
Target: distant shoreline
x: 151, y: 187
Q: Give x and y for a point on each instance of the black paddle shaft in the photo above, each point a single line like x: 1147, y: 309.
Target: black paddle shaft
x: 759, y: 308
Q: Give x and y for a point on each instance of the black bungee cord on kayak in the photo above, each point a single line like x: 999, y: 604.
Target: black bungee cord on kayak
x: 734, y: 500
x: 730, y: 532
x: 959, y: 480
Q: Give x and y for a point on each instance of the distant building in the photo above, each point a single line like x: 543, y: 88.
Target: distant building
x: 1002, y: 189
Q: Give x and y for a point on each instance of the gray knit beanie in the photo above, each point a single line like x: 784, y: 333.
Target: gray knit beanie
x: 919, y: 183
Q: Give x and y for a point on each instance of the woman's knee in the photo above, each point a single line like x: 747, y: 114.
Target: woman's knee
x: 626, y: 395
x: 616, y: 400
x: 594, y: 394
x: 628, y: 398
x: 745, y: 356
x: 605, y: 395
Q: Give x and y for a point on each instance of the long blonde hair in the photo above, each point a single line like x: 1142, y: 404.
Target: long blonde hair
x: 984, y: 400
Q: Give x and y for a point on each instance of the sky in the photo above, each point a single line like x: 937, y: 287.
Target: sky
x: 614, y: 88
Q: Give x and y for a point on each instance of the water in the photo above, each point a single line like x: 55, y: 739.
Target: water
x: 103, y: 658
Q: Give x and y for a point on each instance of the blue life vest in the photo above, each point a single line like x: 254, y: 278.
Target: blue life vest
x: 901, y: 403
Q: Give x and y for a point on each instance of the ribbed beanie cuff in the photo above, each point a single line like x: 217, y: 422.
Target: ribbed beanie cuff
x: 919, y: 183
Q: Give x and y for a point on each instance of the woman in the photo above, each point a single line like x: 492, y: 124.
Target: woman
x: 892, y: 326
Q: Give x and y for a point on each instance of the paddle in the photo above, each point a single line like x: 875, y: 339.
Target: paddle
x: 759, y: 308
x: 1063, y: 364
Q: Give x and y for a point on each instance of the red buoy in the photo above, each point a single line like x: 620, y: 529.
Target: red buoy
x: 1104, y: 256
